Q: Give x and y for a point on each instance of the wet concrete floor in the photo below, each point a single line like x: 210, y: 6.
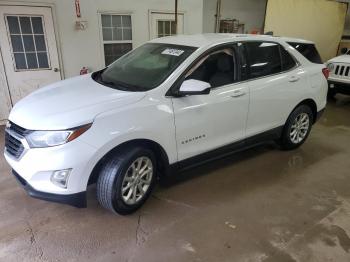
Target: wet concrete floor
x: 259, y: 205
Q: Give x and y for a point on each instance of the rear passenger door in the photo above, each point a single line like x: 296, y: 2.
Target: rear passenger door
x: 276, y: 85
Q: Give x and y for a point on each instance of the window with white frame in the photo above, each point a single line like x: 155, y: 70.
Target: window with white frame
x: 28, y: 42
x: 117, y: 36
x: 166, y: 28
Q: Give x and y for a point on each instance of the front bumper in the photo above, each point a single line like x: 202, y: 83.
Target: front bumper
x: 76, y: 200
x: 37, y: 165
x: 339, y: 87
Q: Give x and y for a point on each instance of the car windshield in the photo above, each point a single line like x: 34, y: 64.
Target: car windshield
x: 143, y: 68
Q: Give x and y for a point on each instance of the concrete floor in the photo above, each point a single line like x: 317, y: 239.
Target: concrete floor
x: 260, y: 205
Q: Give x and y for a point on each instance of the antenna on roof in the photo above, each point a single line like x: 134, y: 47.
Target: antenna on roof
x: 269, y: 33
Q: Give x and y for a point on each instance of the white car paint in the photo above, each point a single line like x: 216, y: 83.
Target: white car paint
x: 334, y: 74
x: 118, y: 116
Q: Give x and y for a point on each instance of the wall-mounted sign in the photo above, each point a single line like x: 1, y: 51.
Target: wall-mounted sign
x: 77, y: 8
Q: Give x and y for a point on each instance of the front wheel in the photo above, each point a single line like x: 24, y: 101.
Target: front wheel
x: 126, y: 180
x: 297, y: 128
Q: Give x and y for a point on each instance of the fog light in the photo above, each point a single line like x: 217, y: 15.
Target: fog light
x: 60, y: 177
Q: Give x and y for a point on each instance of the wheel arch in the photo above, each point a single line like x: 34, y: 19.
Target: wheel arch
x: 157, y: 149
x: 312, y: 104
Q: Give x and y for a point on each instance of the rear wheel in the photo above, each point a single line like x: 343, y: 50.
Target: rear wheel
x: 126, y: 180
x: 297, y: 128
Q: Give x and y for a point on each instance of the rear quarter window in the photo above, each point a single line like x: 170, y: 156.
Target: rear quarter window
x: 309, y: 51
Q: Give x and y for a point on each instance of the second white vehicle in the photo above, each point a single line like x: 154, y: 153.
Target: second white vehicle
x: 165, y: 106
x: 339, y: 74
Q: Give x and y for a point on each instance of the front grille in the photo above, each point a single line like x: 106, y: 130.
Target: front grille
x: 13, y: 136
x: 342, y: 70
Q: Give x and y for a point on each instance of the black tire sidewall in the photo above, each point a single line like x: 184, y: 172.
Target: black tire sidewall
x: 124, y: 162
x: 286, y: 140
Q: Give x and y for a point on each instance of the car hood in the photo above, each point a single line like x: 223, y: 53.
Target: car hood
x: 69, y: 103
x: 340, y: 59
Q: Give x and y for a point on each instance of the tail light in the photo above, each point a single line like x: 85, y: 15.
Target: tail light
x: 325, y: 72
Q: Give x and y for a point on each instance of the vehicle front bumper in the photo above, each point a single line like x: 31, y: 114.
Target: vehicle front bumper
x: 76, y: 200
x: 339, y: 86
x: 35, y: 167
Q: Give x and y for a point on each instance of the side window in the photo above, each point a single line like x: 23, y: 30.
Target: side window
x: 288, y: 61
x: 309, y: 51
x: 217, y: 68
x: 264, y: 58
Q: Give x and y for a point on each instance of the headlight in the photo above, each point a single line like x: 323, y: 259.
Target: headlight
x: 330, y: 66
x: 54, y: 138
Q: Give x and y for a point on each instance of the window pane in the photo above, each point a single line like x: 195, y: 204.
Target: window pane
x: 287, y: 60
x: 127, y: 35
x: 264, y: 58
x: 20, y: 61
x: 114, y: 51
x: 117, y: 34
x: 16, y: 42
x: 107, y: 34
x: 126, y: 20
x: 160, y: 28
x: 13, y: 24
x: 167, y: 28
x: 108, y: 49
x: 25, y: 25
x: 40, y: 43
x: 43, y: 61
x: 309, y: 51
x: 173, y: 28
x: 218, y: 69
x: 28, y: 43
x: 31, y: 61
x: 126, y: 48
x: 37, y: 25
x: 106, y: 20
x: 117, y: 21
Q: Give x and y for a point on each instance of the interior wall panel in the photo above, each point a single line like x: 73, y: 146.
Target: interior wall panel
x: 321, y: 21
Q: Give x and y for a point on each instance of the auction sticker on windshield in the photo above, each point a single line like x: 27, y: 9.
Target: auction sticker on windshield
x: 171, y: 51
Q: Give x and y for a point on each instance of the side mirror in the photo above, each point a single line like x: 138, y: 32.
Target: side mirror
x: 343, y: 50
x: 194, y: 87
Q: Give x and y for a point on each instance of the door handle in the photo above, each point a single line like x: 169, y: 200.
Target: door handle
x: 238, y: 93
x: 56, y: 69
x: 294, y: 79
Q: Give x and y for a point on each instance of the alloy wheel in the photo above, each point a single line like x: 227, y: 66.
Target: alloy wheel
x: 137, y: 180
x: 299, y: 128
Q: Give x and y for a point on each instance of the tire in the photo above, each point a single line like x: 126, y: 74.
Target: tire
x: 331, y: 94
x: 120, y: 172
x: 291, y: 138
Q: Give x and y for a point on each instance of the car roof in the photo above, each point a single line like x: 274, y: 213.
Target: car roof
x: 201, y: 40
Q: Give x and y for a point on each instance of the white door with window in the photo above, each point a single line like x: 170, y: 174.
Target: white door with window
x: 28, y: 47
x: 163, y: 24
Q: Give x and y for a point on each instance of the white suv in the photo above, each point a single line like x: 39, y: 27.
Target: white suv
x: 339, y: 74
x: 168, y: 105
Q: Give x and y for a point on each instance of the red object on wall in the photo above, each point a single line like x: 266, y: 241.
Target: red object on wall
x: 77, y: 8
x: 84, y: 71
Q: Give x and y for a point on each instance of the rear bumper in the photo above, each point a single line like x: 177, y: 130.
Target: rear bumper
x: 339, y: 87
x: 76, y: 200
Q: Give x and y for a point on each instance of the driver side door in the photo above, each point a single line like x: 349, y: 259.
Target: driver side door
x: 210, y: 121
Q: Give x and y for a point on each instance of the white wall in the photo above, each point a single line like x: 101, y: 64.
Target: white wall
x: 83, y: 48
x: 249, y: 12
